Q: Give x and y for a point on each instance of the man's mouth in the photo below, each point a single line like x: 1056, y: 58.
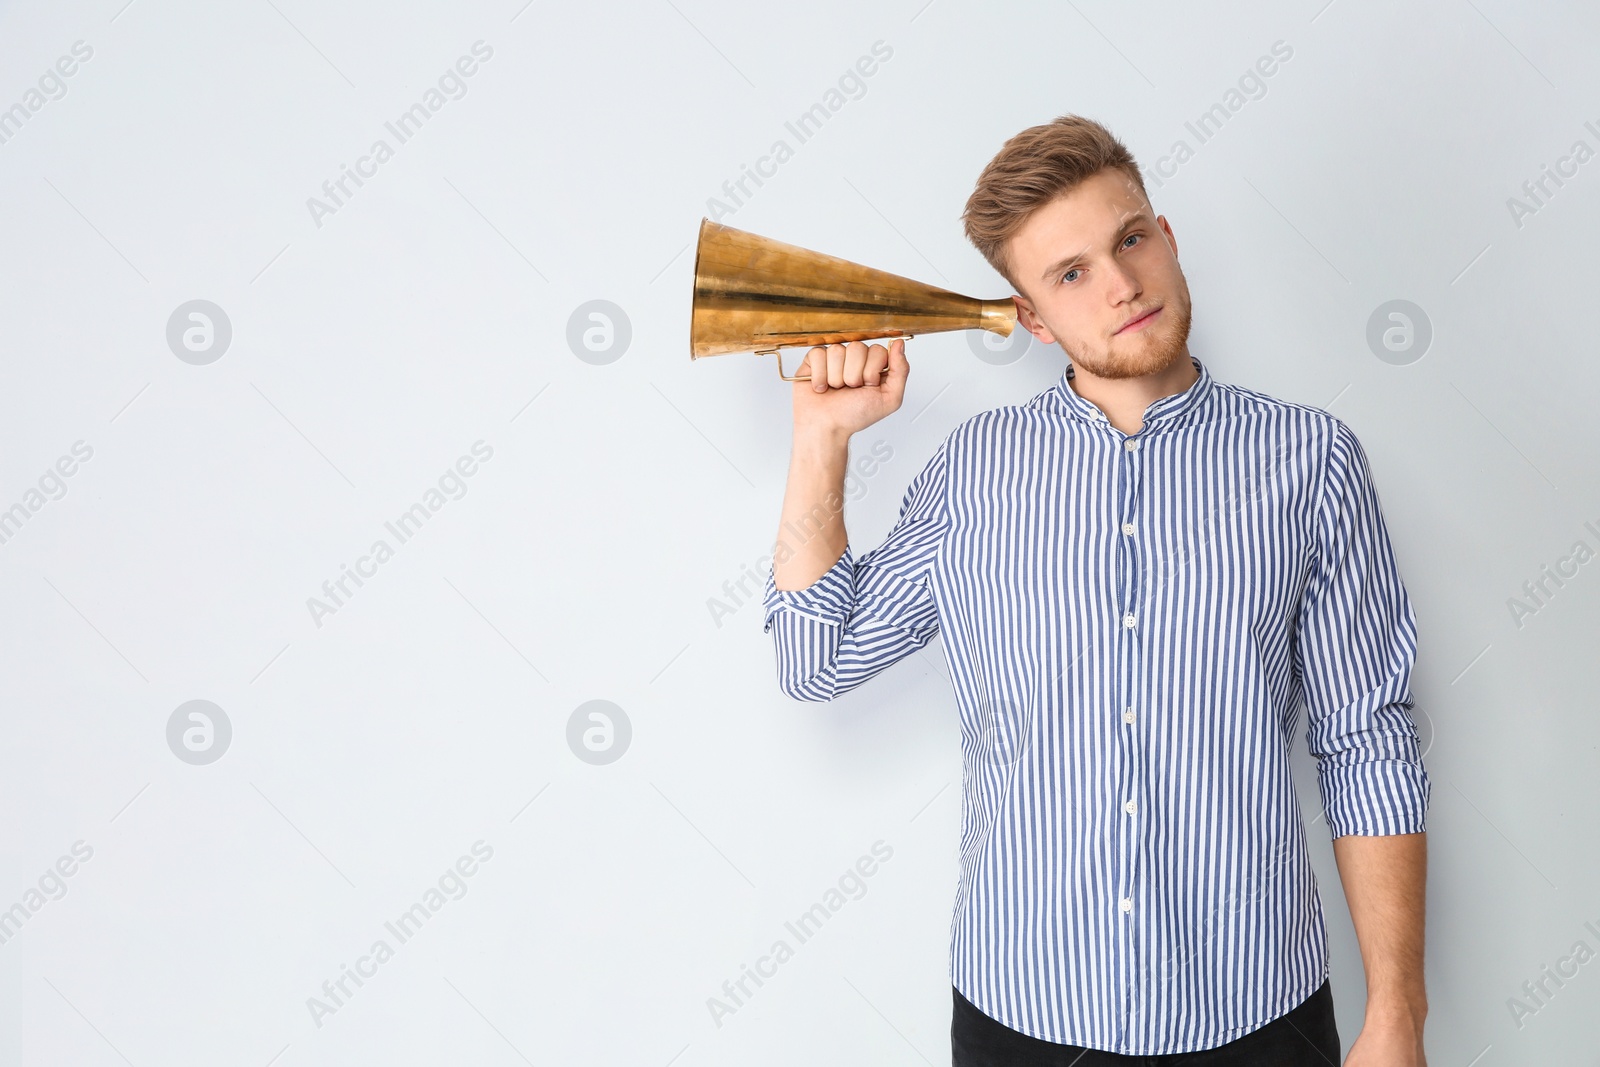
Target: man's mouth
x: 1134, y: 325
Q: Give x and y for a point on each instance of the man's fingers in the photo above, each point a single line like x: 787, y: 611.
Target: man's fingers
x: 899, y: 367
x: 849, y: 366
x: 836, y: 366
x: 855, y: 362
x: 817, y: 362
x: 877, y: 361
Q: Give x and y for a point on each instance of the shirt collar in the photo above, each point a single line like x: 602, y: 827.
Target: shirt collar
x: 1167, y: 409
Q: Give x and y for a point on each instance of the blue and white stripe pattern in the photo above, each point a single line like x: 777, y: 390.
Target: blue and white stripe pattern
x: 1132, y: 623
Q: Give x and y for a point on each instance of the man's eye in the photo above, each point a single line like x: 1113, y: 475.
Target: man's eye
x: 1067, y: 277
x: 1130, y: 237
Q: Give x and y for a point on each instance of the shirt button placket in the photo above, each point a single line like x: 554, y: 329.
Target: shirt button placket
x: 1128, y: 675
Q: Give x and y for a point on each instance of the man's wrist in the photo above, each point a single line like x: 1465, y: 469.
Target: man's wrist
x: 820, y: 442
x: 1402, y: 1008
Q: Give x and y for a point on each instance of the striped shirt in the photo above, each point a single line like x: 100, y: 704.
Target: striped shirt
x: 1132, y: 623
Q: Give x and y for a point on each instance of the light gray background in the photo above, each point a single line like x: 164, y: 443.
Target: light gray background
x: 431, y: 312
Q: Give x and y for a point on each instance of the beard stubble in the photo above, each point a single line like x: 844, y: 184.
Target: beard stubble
x: 1159, y: 349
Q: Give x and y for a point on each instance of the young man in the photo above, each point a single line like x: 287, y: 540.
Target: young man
x: 1140, y: 575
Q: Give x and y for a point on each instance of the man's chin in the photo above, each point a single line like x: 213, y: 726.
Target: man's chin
x: 1136, y: 360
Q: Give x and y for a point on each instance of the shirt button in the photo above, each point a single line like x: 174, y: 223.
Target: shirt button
x: 1127, y: 528
x: 1127, y: 904
x: 1129, y: 807
x: 1130, y: 445
x: 1127, y: 715
x: 1127, y: 620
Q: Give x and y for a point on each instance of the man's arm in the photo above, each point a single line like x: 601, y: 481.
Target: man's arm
x: 1384, y: 883
x: 840, y: 620
x: 844, y: 395
x: 1355, y: 648
x: 811, y: 531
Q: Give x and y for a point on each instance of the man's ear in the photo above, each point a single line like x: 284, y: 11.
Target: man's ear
x: 1030, y: 321
x: 1166, y: 228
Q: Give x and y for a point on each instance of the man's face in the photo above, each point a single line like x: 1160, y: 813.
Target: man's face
x: 1090, y: 266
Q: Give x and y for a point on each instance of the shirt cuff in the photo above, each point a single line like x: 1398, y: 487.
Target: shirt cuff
x: 829, y: 599
x: 1375, y: 797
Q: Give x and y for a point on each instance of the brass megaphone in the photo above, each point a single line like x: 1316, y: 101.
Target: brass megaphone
x: 754, y: 294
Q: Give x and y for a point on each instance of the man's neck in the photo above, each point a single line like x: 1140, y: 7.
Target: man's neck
x: 1124, y: 399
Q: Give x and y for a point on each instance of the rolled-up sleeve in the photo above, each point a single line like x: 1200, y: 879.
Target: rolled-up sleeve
x: 863, y: 615
x: 1355, y: 647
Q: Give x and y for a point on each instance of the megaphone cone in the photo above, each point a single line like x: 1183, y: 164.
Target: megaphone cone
x: 754, y: 294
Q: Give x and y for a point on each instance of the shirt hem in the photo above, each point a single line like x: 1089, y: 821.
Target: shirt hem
x: 1227, y: 1035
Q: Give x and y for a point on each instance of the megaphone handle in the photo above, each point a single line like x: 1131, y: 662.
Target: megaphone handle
x: 777, y: 355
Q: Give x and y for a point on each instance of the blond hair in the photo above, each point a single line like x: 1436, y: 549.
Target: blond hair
x: 1031, y: 169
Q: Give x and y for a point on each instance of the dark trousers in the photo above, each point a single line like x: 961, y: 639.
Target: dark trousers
x: 1305, y: 1037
